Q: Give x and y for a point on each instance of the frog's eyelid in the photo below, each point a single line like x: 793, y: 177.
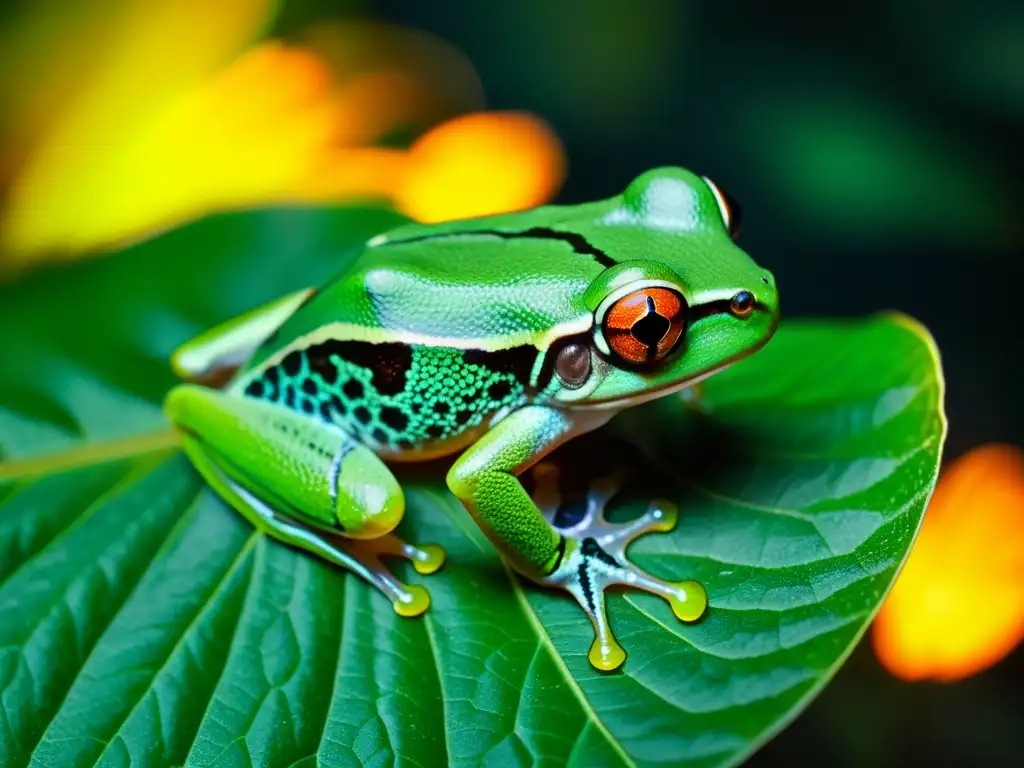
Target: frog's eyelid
x: 723, y: 206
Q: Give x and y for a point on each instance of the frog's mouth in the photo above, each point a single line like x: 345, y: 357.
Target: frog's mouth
x: 619, y: 403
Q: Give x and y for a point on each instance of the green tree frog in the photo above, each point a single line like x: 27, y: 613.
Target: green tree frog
x: 499, y: 338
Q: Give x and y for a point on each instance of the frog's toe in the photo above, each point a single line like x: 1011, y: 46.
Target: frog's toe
x: 583, y: 515
x: 587, y: 584
x: 426, y: 558
x: 407, y: 599
x: 411, y: 600
x: 661, y: 517
x: 568, y: 509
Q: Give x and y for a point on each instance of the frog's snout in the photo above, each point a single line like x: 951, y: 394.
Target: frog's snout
x: 767, y: 294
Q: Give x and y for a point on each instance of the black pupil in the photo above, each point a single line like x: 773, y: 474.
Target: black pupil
x: 743, y: 301
x: 652, y: 327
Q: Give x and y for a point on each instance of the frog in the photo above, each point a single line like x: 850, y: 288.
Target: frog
x: 491, y: 341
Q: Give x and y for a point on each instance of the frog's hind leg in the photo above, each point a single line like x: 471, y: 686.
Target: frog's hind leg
x: 304, y: 483
x: 599, y: 560
x: 359, y: 557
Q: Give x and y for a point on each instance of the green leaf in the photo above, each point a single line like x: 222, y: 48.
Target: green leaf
x: 144, y: 623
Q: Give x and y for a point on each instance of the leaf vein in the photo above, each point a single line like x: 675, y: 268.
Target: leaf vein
x: 200, y: 614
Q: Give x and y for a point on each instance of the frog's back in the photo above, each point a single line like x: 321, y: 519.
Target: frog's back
x: 429, y: 333
x: 490, y: 281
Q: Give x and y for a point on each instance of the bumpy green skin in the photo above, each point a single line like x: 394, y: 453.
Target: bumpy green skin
x: 440, y: 337
x: 485, y: 478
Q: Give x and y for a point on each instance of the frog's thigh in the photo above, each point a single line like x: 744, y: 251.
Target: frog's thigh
x: 305, y: 468
x: 484, y: 479
x: 267, y: 501
x: 225, y: 347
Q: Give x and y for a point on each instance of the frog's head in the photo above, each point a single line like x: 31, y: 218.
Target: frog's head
x: 682, y: 302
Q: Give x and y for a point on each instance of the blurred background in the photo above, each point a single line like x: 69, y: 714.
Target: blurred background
x: 875, y: 148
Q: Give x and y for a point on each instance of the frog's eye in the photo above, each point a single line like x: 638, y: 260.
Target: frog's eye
x: 732, y: 213
x: 742, y: 304
x: 644, y: 326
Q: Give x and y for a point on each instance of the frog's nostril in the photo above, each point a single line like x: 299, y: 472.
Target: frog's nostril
x: 764, y: 279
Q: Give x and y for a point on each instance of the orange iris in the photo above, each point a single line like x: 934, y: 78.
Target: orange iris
x: 644, y: 325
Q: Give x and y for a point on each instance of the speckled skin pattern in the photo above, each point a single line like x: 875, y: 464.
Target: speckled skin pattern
x: 396, y: 397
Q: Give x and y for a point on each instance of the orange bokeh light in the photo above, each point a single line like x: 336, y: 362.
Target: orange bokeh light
x: 480, y: 164
x: 957, y: 607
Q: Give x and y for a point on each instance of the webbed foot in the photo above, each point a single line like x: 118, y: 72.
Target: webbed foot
x: 595, y: 556
x: 361, y: 556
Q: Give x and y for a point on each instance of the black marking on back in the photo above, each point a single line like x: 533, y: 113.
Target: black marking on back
x: 325, y: 367
x: 389, y: 362
x: 394, y: 418
x: 517, y: 361
x: 579, y: 243
x: 292, y: 362
x: 499, y: 390
x: 395, y: 395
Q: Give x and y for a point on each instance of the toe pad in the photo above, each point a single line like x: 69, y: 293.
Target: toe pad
x: 429, y: 559
x: 415, y: 601
x: 607, y: 656
x: 690, y: 602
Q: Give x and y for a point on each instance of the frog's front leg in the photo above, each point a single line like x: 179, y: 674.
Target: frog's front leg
x: 304, y: 483
x: 585, y: 559
x: 215, y: 354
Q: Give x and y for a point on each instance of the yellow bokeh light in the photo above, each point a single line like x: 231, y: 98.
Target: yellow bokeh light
x: 243, y: 135
x: 98, y: 160
x: 171, y: 110
x: 957, y: 607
